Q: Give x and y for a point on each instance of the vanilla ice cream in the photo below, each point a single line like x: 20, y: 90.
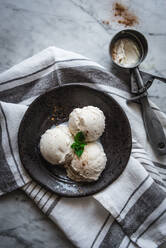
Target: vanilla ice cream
x: 126, y: 52
x: 90, y: 120
x: 55, y: 145
x: 90, y: 165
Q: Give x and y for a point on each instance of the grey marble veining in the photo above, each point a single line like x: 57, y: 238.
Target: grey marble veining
x: 27, y: 27
x: 22, y: 225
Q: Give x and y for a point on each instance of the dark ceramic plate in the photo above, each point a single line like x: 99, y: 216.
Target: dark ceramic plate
x: 54, y: 107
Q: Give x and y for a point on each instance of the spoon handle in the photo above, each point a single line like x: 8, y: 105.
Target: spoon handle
x: 153, y: 127
x: 152, y: 124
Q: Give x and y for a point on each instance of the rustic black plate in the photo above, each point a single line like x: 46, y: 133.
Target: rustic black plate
x: 54, y: 107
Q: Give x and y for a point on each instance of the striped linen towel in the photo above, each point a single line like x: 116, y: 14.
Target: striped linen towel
x: 131, y: 212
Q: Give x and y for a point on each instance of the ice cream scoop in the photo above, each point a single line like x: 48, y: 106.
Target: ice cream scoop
x: 90, y: 165
x: 55, y: 145
x: 128, y: 48
x: 90, y: 120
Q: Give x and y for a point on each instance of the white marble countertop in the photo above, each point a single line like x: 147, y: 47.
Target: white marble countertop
x: 26, y: 28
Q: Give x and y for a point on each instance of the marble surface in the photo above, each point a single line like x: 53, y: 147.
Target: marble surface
x: 27, y: 27
x: 22, y: 225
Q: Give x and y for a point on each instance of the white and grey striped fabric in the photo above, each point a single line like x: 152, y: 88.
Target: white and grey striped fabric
x: 131, y: 212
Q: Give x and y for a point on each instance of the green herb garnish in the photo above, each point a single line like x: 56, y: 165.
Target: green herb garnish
x: 78, y: 145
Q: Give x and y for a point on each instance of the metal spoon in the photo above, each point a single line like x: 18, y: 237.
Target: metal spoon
x: 152, y: 124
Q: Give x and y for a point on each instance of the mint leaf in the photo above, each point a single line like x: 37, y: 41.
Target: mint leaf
x: 82, y: 145
x: 74, y: 145
x: 78, y: 148
x: 79, y: 144
x: 79, y: 138
x: 79, y: 152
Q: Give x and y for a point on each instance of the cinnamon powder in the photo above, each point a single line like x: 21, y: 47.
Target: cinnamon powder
x: 125, y: 16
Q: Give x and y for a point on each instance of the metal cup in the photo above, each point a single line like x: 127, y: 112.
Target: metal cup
x: 137, y: 38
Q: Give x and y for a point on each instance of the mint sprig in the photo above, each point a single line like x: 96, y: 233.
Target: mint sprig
x: 79, y: 144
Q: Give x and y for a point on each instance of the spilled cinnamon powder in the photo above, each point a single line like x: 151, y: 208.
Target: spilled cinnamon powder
x: 125, y: 17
